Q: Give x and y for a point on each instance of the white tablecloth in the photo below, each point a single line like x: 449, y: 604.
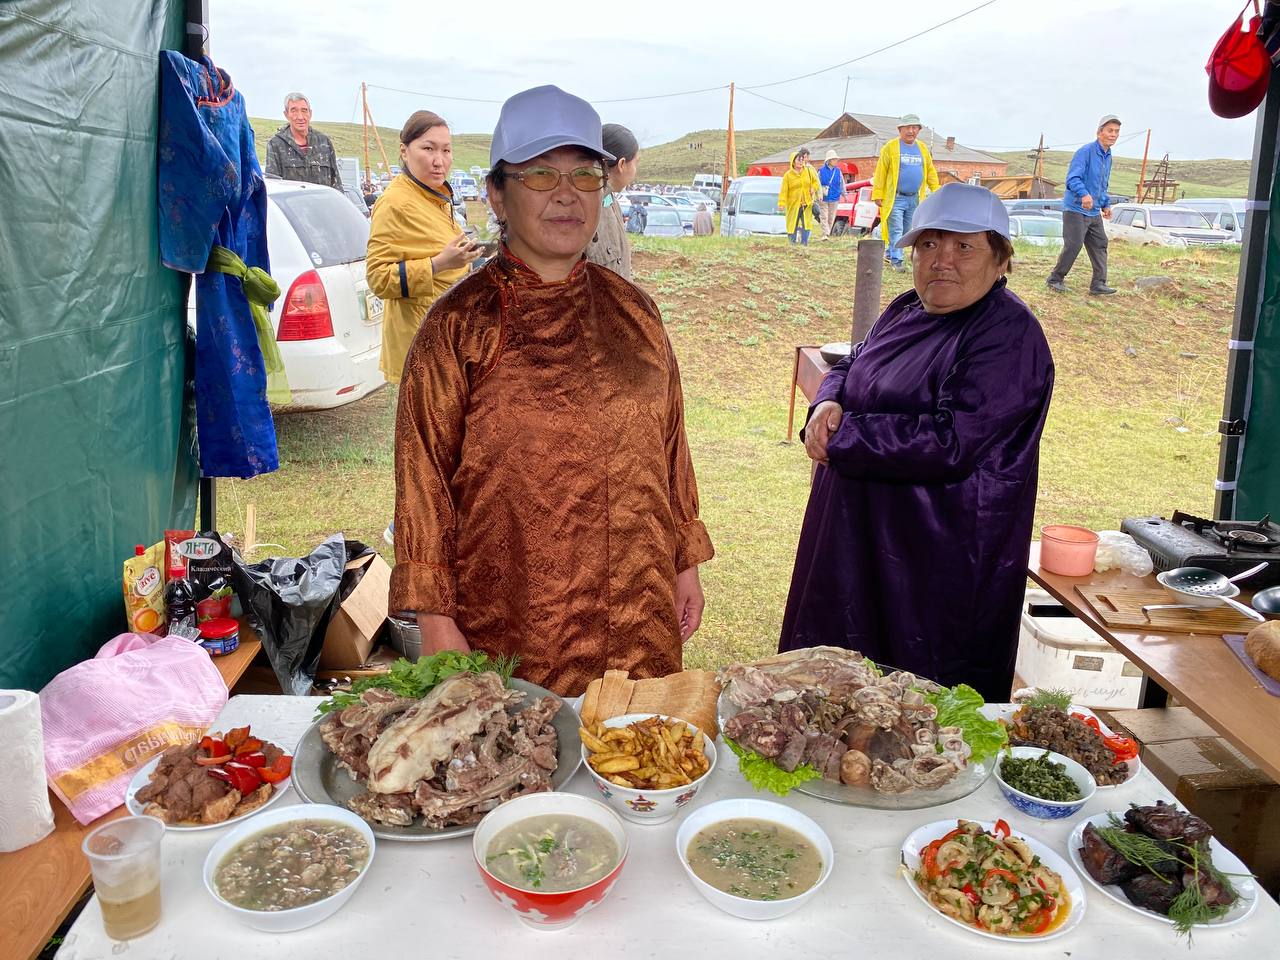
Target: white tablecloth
x: 425, y: 901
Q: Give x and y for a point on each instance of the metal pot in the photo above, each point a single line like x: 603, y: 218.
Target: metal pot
x: 404, y: 637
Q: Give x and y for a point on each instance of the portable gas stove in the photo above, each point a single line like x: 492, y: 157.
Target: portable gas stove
x: 1228, y: 546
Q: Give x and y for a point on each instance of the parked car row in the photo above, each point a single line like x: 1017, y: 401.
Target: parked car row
x: 1165, y: 225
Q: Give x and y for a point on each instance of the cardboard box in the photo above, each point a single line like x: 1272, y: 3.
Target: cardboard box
x: 355, y: 624
x: 1215, y: 781
x: 1157, y: 725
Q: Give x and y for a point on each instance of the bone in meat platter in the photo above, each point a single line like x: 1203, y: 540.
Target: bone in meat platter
x: 319, y: 778
x: 964, y: 783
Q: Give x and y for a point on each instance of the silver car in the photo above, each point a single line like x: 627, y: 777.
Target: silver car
x: 1036, y: 230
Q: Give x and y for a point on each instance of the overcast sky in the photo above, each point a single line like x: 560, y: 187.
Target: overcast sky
x: 997, y: 78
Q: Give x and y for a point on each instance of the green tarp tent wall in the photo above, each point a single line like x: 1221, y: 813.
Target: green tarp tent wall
x: 95, y: 432
x: 1248, y: 484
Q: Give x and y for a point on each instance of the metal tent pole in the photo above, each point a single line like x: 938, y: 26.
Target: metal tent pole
x: 1249, y: 285
x: 195, y: 46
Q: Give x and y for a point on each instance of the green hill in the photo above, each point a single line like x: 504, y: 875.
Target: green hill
x: 1196, y: 178
x: 703, y: 152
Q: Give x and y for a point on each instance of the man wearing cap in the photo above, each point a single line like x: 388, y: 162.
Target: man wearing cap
x: 1085, y: 204
x: 904, y: 175
x: 546, y: 506
x: 832, y: 181
x: 915, y: 541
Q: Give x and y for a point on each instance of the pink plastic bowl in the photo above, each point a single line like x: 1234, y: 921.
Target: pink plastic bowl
x: 1068, y: 551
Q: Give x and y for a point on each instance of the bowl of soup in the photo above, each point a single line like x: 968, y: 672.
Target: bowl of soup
x: 548, y: 858
x: 291, y: 867
x: 754, y: 859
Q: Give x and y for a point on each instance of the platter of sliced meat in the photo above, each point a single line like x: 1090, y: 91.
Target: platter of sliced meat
x: 1164, y: 863
x: 430, y: 769
x: 868, y: 735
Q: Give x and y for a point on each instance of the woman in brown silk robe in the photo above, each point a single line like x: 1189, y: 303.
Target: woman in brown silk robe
x: 545, y: 498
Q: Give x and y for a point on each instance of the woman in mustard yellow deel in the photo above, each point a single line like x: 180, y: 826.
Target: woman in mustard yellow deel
x: 416, y: 248
x: 799, y: 189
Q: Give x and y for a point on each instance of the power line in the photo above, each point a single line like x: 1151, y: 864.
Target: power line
x: 441, y: 96
x: 789, y: 106
x: 890, y: 46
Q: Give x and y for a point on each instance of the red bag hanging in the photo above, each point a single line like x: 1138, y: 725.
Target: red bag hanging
x: 1238, y: 68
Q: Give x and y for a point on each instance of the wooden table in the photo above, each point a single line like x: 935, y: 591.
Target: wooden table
x: 40, y: 884
x: 1198, y: 669
x: 806, y: 373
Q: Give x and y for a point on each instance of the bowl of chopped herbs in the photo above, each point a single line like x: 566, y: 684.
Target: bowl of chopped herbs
x: 1043, y: 784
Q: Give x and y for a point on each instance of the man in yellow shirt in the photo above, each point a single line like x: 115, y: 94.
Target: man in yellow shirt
x: 904, y: 176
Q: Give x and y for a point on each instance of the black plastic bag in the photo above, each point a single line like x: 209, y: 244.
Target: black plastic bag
x: 289, y: 601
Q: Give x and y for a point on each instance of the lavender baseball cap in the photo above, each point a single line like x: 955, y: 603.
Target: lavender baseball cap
x: 958, y: 208
x: 541, y: 119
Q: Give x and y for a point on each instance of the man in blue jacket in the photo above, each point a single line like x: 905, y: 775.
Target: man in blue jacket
x: 832, y: 181
x: 1084, y: 206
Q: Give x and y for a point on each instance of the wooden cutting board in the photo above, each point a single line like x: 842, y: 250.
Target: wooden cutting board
x: 1123, y: 608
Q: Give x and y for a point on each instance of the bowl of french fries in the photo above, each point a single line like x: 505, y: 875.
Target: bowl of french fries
x: 645, y: 765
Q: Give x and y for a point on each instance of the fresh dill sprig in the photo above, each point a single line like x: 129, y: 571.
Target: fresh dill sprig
x: 1051, y: 697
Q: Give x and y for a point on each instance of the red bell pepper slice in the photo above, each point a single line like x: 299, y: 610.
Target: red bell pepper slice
x: 1038, y: 922
x: 214, y: 747
x: 277, y: 771
x: 255, y: 759
x: 250, y: 745
x: 218, y: 773
x: 243, y: 777
x: 1002, y: 828
x: 1001, y: 872
x: 213, y: 761
x: 971, y: 894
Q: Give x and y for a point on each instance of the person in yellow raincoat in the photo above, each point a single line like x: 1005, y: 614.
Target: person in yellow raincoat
x: 416, y: 249
x: 799, y: 190
x: 904, y: 175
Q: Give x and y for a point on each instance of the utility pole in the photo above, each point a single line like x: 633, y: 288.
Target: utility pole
x: 364, y: 102
x: 368, y: 119
x: 1142, y: 174
x: 844, y: 107
x: 730, y: 154
x: 1039, y: 170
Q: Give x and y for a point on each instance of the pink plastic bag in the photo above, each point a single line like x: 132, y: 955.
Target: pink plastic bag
x: 106, y: 717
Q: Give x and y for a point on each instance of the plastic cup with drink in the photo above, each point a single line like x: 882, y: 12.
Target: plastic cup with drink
x: 124, y: 856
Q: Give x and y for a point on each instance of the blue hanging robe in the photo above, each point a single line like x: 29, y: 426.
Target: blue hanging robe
x: 211, y: 192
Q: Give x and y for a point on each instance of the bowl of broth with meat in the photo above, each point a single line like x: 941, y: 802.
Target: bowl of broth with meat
x: 290, y: 868
x: 754, y: 859
x: 550, y: 857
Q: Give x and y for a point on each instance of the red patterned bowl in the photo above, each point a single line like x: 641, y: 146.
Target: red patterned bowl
x: 548, y: 911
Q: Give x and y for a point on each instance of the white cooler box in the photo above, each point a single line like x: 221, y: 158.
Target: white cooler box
x: 1062, y: 651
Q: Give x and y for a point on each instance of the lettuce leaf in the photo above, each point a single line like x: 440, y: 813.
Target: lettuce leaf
x: 959, y: 706
x: 764, y: 774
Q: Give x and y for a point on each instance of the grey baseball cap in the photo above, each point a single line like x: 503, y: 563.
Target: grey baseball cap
x: 958, y: 208
x: 910, y: 120
x: 1108, y: 118
x: 541, y: 119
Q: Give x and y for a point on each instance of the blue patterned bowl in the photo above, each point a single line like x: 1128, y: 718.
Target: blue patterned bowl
x: 1047, y: 809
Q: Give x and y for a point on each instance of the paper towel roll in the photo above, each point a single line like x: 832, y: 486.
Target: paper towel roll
x: 25, y: 815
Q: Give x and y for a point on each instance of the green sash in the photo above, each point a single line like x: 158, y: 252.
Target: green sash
x: 261, y: 291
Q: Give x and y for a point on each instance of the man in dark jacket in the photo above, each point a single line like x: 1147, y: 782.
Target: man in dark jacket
x: 297, y: 152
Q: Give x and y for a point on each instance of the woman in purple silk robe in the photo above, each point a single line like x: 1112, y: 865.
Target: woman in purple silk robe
x: 915, y: 541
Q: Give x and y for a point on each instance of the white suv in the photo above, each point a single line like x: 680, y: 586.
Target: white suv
x: 1163, y: 225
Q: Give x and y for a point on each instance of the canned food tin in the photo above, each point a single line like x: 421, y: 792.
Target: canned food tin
x: 220, y: 636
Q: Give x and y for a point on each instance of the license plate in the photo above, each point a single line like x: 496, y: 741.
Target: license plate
x: 373, y: 308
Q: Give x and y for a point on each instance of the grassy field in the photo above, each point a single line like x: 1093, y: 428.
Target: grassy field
x: 702, y: 151
x: 1131, y: 429
x: 1196, y: 178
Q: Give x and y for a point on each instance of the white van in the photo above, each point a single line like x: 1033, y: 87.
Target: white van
x: 708, y: 181
x: 751, y: 207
